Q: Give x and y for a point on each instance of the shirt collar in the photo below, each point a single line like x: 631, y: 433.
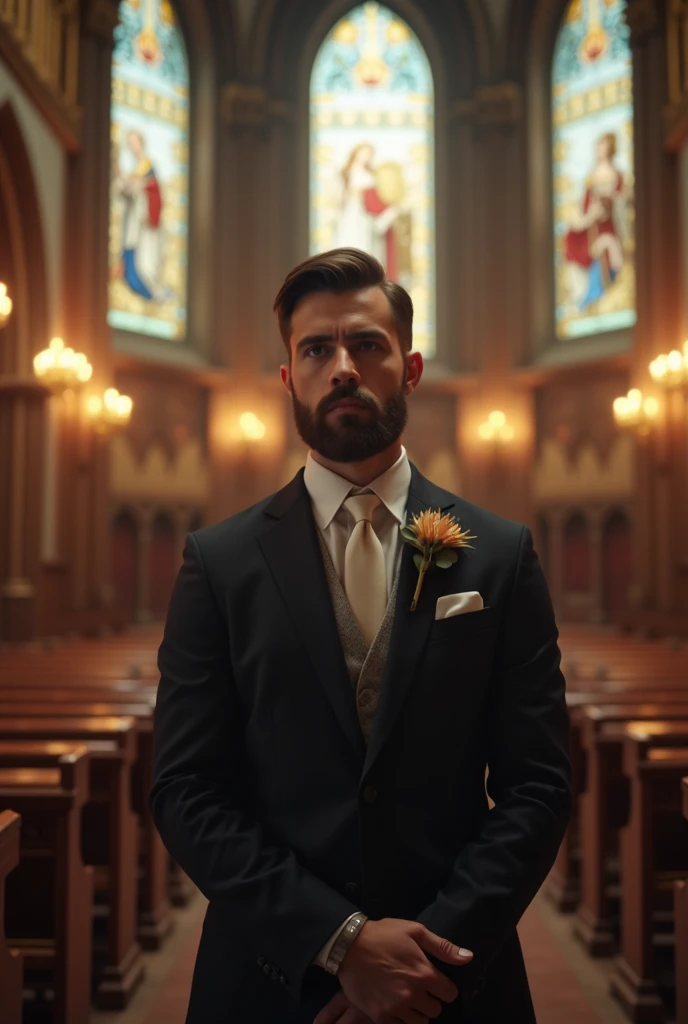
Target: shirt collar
x: 328, y: 490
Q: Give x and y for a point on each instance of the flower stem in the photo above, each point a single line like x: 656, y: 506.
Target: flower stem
x: 419, y: 584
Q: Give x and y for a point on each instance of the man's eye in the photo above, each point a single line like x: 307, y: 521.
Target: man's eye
x: 314, y: 348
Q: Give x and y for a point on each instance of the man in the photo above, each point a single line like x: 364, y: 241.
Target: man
x: 321, y: 749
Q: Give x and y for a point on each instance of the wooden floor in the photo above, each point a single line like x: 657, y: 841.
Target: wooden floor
x: 568, y: 987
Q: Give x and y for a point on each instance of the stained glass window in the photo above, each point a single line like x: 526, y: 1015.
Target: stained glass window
x: 372, y: 153
x: 592, y: 110
x: 150, y: 172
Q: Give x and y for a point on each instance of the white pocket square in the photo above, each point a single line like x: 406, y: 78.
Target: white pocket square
x: 458, y: 604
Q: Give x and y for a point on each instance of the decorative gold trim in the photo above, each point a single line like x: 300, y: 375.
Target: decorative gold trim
x: 249, y: 106
x: 493, y: 106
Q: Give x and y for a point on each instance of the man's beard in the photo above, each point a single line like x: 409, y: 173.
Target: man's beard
x: 355, y: 437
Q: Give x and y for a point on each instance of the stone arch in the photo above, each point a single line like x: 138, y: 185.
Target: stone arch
x: 22, y: 399
x: 458, y: 41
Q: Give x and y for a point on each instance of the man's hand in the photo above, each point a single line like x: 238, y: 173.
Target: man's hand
x: 386, y: 975
x: 340, y: 1011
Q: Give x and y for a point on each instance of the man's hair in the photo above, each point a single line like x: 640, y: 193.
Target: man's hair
x: 342, y: 270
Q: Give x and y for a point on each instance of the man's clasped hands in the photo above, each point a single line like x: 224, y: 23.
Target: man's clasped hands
x: 386, y: 978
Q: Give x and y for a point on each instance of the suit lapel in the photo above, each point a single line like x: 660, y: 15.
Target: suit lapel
x: 410, y: 629
x: 293, y: 556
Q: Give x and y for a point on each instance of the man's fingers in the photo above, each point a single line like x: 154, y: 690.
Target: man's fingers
x: 332, y: 1012
x: 443, y: 949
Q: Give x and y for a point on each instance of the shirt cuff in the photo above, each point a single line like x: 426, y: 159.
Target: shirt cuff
x: 321, y: 958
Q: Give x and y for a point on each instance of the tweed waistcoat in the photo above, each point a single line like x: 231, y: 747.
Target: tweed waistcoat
x: 364, y: 664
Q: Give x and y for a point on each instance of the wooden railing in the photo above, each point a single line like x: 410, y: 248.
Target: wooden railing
x: 40, y: 40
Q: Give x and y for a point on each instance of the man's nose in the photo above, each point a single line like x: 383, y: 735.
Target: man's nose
x: 344, y: 369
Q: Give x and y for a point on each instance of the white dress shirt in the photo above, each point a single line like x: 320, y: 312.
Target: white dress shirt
x: 327, y: 491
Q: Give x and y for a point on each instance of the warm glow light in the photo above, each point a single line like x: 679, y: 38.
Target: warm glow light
x: 633, y: 412
x: 671, y: 370
x: 252, y: 428
x: 61, y: 368
x: 496, y: 428
x: 5, y: 305
x: 109, y: 412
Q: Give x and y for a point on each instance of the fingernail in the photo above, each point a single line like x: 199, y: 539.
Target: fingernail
x: 464, y: 952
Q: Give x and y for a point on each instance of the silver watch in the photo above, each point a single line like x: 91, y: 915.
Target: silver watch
x: 343, y: 942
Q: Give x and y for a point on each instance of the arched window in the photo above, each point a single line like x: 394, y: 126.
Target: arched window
x: 372, y: 153
x: 150, y: 172
x: 592, y: 115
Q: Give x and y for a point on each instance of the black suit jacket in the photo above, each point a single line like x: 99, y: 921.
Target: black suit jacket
x: 266, y: 795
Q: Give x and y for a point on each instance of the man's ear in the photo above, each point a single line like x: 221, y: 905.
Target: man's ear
x: 285, y: 374
x: 414, y: 371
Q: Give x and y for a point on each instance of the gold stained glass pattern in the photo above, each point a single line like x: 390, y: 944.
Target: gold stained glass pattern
x: 150, y: 173
x: 372, y: 153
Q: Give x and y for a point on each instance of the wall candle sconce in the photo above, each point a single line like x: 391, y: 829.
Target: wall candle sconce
x: 252, y: 428
x: 110, y: 412
x: 496, y: 429
x: 62, y: 369
x: 671, y: 370
x: 635, y: 413
x: 5, y: 305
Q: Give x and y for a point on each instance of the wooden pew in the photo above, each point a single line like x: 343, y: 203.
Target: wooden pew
x: 681, y: 933
x: 654, y: 848
x: 109, y: 834
x: 11, y: 967
x: 65, y: 692
x: 603, y: 811
x: 48, y: 912
x: 562, y: 886
x: 158, y: 877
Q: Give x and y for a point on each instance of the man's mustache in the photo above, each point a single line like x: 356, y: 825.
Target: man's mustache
x: 340, y: 394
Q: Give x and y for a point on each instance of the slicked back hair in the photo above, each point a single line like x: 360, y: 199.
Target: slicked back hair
x: 342, y: 270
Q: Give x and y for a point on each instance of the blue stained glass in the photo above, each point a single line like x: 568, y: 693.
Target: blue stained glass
x: 150, y: 172
x: 593, y: 176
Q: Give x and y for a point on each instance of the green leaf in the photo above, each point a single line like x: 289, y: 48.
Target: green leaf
x: 408, y: 534
x: 446, y: 558
x: 418, y: 561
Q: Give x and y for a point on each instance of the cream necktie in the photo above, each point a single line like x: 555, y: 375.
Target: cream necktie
x: 365, y: 576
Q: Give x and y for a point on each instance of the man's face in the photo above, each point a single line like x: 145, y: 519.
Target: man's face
x: 346, y: 346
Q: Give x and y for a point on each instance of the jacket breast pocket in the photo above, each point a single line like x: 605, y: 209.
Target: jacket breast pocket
x: 463, y: 627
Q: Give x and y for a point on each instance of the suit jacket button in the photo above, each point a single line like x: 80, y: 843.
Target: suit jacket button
x: 260, y: 961
x: 274, y: 974
x: 370, y: 794
x: 351, y: 888
x: 267, y: 968
x: 283, y: 979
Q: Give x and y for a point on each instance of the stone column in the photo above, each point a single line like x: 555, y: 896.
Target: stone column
x: 22, y: 434
x: 658, y: 270
x: 499, y: 323
x: 84, y: 458
x: 250, y: 221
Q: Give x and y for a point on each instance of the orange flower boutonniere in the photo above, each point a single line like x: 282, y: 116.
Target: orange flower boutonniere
x: 437, y: 537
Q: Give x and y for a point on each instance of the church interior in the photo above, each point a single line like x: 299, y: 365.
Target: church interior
x: 521, y: 168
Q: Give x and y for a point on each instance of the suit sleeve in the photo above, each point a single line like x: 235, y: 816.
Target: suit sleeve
x: 282, y: 912
x: 497, y: 875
